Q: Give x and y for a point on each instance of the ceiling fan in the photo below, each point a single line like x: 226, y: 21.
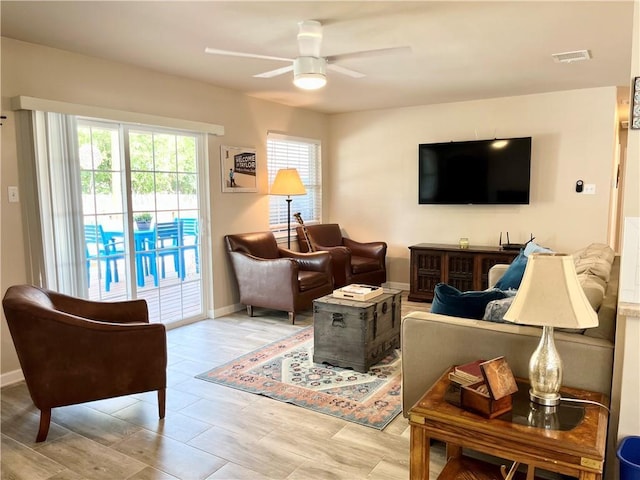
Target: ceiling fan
x: 309, y: 68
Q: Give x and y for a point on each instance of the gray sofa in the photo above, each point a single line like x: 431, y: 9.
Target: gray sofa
x: 431, y: 343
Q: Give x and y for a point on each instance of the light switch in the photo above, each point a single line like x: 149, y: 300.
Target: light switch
x: 14, y: 197
x: 590, y: 188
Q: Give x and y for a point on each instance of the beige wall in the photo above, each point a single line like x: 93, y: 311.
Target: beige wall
x: 52, y: 74
x: 370, y: 159
x: 626, y: 389
x: 373, y: 172
x: 631, y: 202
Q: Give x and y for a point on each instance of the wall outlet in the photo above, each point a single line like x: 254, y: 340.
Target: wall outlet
x: 14, y: 197
x: 590, y: 189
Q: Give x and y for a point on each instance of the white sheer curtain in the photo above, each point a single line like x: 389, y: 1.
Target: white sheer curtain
x: 50, y: 179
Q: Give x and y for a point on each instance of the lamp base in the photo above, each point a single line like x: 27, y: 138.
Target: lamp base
x: 545, y: 371
x: 289, y: 222
x: 548, y: 400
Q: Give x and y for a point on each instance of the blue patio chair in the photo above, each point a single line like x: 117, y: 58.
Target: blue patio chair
x: 191, y: 238
x: 144, y: 241
x: 101, y: 248
x: 168, y: 242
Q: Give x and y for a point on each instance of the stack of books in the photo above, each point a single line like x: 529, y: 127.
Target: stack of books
x: 467, y: 374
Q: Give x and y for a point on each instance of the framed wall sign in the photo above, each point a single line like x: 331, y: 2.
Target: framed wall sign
x: 635, y: 104
x: 238, y: 169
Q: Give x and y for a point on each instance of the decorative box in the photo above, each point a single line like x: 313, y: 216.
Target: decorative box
x: 358, y: 292
x: 491, y: 397
x: 356, y: 334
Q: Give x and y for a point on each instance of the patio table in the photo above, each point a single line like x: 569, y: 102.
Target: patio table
x: 142, y: 239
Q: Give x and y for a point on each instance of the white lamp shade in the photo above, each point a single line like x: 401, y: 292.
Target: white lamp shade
x: 551, y: 295
x: 287, y: 182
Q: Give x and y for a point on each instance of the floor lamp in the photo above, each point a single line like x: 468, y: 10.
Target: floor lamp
x: 288, y: 183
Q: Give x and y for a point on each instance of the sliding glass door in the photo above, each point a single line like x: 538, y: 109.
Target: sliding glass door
x: 141, y: 216
x: 103, y: 210
x: 166, y: 228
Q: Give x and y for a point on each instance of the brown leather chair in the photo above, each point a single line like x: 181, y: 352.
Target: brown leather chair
x: 353, y: 262
x: 74, y: 351
x: 273, y: 277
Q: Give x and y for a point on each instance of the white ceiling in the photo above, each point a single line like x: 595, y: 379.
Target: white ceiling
x: 460, y: 50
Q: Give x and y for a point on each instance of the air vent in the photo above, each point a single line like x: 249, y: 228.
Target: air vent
x: 568, y: 57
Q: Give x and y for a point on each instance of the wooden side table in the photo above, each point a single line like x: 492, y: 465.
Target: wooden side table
x: 576, y: 449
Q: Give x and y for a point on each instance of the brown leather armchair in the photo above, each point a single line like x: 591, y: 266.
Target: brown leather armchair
x: 273, y: 277
x: 74, y: 351
x: 353, y: 262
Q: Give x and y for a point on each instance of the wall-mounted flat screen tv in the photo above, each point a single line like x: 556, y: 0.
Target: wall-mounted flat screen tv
x: 483, y: 172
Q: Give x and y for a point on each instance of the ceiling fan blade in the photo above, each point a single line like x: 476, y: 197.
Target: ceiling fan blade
x: 309, y: 38
x: 345, y: 71
x: 274, y: 73
x: 369, y: 53
x: 229, y: 53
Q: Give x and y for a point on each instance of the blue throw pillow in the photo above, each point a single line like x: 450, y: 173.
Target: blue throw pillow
x: 448, y: 300
x: 532, y: 247
x: 512, y: 277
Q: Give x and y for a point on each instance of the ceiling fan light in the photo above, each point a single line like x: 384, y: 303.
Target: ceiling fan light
x: 309, y: 73
x: 310, y: 81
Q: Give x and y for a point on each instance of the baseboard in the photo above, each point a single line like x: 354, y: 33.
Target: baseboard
x: 228, y: 310
x: 16, y: 376
x: 397, y: 286
x: 10, y: 378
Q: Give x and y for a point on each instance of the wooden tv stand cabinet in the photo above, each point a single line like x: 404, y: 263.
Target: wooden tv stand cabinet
x: 465, y: 269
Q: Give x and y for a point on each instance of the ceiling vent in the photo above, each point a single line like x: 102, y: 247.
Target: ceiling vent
x: 568, y: 57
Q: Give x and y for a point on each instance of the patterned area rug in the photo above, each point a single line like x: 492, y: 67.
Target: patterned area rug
x: 284, y: 370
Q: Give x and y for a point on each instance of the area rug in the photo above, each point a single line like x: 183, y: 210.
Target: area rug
x: 284, y: 370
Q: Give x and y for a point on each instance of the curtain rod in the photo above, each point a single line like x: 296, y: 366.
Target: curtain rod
x: 40, y: 104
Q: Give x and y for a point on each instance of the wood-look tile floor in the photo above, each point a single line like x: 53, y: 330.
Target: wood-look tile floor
x: 210, y: 431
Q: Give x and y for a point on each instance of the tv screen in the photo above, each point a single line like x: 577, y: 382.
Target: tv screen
x: 484, y: 172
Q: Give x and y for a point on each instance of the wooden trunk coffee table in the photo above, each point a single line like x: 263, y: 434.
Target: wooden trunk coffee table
x: 356, y: 334
x: 572, y: 444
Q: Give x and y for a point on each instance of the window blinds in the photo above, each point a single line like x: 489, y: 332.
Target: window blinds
x: 304, y: 155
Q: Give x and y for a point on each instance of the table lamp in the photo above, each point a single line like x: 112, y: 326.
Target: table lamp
x: 287, y: 182
x: 549, y: 296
